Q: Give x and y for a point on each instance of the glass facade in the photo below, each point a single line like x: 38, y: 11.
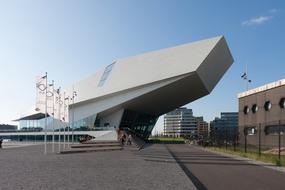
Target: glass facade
x: 91, y: 123
x: 105, y: 75
x: 35, y: 124
x: 86, y: 124
x: 225, y: 127
x: 139, y: 123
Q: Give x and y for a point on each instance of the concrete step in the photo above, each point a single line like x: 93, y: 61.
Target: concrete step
x: 83, y: 150
x: 95, y: 145
x: 100, y: 142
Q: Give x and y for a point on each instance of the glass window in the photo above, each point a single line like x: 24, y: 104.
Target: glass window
x: 105, y: 75
x: 282, y: 103
x: 246, y: 110
x: 250, y: 130
x: 274, y: 130
x: 254, y: 108
x: 267, y: 105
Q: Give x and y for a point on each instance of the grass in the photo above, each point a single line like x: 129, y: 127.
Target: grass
x: 168, y: 138
x: 171, y: 140
x: 268, y: 158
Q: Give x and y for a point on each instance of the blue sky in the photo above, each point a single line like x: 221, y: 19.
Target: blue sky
x: 72, y: 39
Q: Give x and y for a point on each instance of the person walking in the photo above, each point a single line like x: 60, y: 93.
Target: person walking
x: 129, y: 141
x: 123, y: 139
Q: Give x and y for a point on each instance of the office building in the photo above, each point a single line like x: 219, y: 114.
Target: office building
x: 224, y: 128
x: 262, y: 114
x: 202, y: 127
x: 180, y: 123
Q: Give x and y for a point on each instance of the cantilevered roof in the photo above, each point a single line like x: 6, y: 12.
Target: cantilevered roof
x: 31, y: 114
x: 155, y: 82
x: 147, y: 68
x: 35, y: 116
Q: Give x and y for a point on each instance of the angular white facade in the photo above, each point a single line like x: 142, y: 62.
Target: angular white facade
x: 132, y: 93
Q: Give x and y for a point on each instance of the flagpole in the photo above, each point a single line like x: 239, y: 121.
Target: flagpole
x: 64, y: 120
x: 246, y: 81
x: 245, y: 78
x: 45, y: 138
x: 53, y: 116
x: 59, y: 119
x: 73, y: 114
x: 68, y: 124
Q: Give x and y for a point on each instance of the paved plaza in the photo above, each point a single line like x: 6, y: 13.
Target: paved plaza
x: 157, y: 166
x: 209, y: 170
x: 28, y: 168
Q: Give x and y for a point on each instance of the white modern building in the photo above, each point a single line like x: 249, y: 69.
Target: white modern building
x: 131, y: 93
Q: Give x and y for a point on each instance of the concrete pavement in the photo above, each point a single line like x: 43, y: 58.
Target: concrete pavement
x: 208, y: 170
x: 157, y: 166
x: 27, y: 168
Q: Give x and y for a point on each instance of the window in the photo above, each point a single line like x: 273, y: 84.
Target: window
x: 106, y: 124
x: 245, y: 109
x: 274, y: 130
x: 267, y: 105
x: 105, y: 75
x: 250, y: 130
x: 282, y: 103
x: 254, y: 108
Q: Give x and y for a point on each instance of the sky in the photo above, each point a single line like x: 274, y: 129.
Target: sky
x: 71, y: 39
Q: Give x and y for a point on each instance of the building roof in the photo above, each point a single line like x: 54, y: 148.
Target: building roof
x: 262, y: 88
x: 155, y: 82
x: 131, y: 72
x: 31, y: 114
x: 35, y: 116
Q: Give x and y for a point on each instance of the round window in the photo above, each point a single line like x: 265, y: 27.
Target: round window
x: 267, y: 105
x: 282, y: 103
x: 246, y: 110
x: 254, y: 108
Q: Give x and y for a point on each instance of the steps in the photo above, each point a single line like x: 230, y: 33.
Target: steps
x: 93, y: 146
x: 100, y: 142
x: 137, y: 141
x: 85, y: 150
